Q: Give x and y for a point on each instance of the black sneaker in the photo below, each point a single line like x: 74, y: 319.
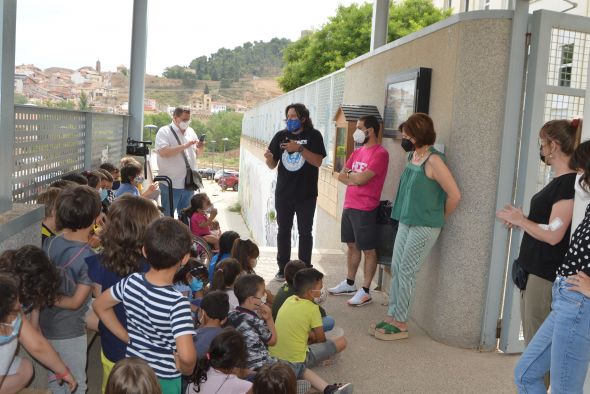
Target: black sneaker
x: 340, y: 388
x: 280, y: 277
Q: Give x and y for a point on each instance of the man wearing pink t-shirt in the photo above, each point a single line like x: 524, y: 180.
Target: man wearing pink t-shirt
x: 364, y: 175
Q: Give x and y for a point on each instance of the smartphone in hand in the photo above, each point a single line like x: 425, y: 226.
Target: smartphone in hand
x: 202, y: 137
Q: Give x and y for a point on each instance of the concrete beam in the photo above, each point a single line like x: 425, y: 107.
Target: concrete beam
x: 137, y: 71
x: 7, y: 43
x: 380, y: 21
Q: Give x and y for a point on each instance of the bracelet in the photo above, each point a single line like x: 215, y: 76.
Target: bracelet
x: 61, y: 376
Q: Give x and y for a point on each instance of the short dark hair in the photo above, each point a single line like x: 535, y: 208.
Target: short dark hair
x: 63, y: 183
x: 110, y: 167
x: 420, y: 127
x: 129, y: 171
x: 178, y: 111
x: 226, y: 241
x: 306, y: 279
x: 302, y: 113
x: 371, y: 122
x: 291, y: 269
x: 275, y: 378
x: 75, y: 177
x: 247, y: 286
x: 216, y: 304
x: 166, y: 242
x: 226, y: 273
x: 77, y: 208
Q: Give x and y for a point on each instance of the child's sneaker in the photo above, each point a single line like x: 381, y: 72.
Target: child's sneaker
x: 303, y: 386
x: 341, y: 388
x: 343, y: 288
x: 360, y: 298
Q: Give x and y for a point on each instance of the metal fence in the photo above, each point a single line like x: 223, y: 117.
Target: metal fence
x: 50, y: 143
x: 322, y: 97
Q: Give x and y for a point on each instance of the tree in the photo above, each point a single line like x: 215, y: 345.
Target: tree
x: 159, y: 120
x: 83, y: 102
x: 20, y: 99
x: 206, y: 90
x: 225, y: 125
x: 348, y: 35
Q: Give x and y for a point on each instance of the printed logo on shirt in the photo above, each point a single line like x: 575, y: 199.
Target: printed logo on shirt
x: 359, y: 166
x: 292, y: 161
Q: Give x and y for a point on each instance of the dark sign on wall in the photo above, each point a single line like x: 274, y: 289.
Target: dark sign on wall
x: 407, y: 92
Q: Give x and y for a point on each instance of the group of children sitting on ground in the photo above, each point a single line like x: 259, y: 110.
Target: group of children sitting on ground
x: 157, y: 308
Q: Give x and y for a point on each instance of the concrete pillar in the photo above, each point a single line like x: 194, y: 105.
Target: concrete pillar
x: 512, y: 126
x: 379, y: 27
x: 7, y: 39
x: 137, y: 71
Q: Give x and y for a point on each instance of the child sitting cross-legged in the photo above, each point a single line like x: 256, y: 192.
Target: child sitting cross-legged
x: 299, y: 323
x: 213, y: 310
x: 288, y: 289
x: 217, y: 371
x: 159, y: 324
x: 225, y: 277
x: 226, y: 242
x: 253, y: 318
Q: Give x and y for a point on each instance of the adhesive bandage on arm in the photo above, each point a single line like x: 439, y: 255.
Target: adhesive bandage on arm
x: 555, y: 225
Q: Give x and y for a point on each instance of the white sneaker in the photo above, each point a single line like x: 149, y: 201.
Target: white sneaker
x: 343, y: 288
x: 360, y: 298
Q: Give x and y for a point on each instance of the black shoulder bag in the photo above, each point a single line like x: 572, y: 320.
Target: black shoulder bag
x: 192, y: 180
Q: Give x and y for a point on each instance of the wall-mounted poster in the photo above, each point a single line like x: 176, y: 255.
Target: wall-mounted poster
x: 407, y: 92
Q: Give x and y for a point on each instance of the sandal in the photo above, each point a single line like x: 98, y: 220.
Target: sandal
x: 374, y: 326
x: 389, y: 332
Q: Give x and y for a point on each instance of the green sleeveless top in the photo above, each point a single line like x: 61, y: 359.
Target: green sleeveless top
x: 420, y: 201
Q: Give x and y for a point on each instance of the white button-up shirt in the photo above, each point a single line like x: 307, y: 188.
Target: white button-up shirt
x: 174, y: 166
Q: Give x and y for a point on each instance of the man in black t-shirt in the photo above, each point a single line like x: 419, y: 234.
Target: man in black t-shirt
x: 298, y: 151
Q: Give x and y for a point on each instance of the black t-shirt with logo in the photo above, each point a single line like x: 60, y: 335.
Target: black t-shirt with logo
x: 296, y: 177
x: 538, y: 257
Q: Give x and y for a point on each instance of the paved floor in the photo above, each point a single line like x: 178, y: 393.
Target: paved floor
x: 415, y: 365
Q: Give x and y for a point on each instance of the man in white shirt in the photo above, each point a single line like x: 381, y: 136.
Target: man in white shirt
x: 170, y: 160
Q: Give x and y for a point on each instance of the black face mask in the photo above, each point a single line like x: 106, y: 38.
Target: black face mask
x: 116, y: 185
x: 408, y: 145
x: 541, y: 155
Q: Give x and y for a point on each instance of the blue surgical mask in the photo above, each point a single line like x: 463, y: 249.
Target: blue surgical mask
x: 293, y: 125
x: 16, y: 323
x: 104, y: 193
x: 196, y: 284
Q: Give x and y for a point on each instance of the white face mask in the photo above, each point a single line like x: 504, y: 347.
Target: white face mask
x: 359, y: 136
x: 183, y: 125
x: 580, y: 192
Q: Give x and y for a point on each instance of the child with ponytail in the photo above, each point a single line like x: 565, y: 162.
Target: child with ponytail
x: 217, y: 371
x: 224, y: 278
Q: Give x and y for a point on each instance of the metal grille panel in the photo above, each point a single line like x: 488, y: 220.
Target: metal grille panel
x: 50, y: 143
x: 568, y: 58
x: 322, y: 98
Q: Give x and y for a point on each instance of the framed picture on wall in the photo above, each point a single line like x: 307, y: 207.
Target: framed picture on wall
x: 406, y: 93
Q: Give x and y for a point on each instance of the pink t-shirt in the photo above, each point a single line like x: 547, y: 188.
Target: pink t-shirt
x: 196, y: 219
x: 366, y: 197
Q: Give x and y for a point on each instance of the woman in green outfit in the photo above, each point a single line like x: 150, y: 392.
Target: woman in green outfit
x: 426, y: 196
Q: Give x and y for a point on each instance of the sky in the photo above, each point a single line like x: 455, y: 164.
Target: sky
x: 73, y: 34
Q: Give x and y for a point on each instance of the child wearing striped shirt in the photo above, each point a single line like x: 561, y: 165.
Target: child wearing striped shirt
x: 159, y: 325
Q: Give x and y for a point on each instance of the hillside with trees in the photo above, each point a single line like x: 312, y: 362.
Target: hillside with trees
x: 258, y: 59
x: 347, y: 35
